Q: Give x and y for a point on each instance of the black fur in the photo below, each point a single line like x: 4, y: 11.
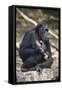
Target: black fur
x: 32, y: 51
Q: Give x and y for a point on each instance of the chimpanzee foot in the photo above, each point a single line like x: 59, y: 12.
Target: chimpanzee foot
x: 36, y: 68
x: 32, y: 69
x: 24, y: 69
x: 27, y: 69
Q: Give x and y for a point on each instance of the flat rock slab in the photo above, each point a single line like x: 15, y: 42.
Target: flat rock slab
x: 45, y: 74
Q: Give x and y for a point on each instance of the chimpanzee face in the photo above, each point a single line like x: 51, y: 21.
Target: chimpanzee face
x: 43, y: 32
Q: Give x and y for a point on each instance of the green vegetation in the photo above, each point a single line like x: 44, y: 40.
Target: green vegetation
x: 39, y: 13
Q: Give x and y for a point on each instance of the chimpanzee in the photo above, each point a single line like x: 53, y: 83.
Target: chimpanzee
x: 35, y: 48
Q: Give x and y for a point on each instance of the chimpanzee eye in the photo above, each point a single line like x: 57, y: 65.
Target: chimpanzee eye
x: 46, y: 29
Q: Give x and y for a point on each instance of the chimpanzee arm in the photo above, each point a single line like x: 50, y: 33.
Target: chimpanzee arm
x: 48, y: 62
x: 36, y: 44
x: 48, y: 49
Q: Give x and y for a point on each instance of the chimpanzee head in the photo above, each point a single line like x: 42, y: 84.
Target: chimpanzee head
x: 42, y: 29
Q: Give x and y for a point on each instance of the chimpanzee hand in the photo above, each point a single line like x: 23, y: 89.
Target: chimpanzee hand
x: 42, y: 51
x: 45, y: 56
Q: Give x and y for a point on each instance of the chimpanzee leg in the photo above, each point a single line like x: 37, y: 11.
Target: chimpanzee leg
x: 32, y: 61
x: 26, y: 53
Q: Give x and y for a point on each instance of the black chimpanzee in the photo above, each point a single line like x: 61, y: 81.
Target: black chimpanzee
x: 35, y: 48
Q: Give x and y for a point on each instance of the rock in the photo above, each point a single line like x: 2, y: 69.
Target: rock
x: 47, y: 74
x: 27, y: 76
